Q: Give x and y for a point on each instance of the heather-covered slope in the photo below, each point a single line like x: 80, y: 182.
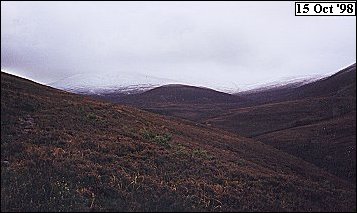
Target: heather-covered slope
x: 329, y: 144
x: 65, y: 152
x: 279, y: 109
x: 299, y: 126
x: 177, y: 94
x: 342, y: 83
x: 266, y: 118
x: 336, y: 84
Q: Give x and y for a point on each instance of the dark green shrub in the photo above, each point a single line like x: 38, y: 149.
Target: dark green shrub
x: 201, y: 154
x: 163, y: 139
x: 157, y: 138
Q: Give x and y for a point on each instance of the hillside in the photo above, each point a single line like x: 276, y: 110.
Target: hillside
x: 279, y: 109
x: 64, y: 152
x: 178, y: 94
x: 199, y: 105
x: 257, y: 120
x: 298, y: 126
x: 329, y: 144
x: 336, y: 84
x: 319, y: 130
x: 343, y: 83
x: 182, y: 101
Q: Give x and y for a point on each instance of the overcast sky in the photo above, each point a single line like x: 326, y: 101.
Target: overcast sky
x: 212, y: 44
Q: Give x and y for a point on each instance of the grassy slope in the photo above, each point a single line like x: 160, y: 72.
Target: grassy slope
x: 65, y: 152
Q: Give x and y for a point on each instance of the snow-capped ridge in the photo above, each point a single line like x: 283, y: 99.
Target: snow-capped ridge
x: 108, y: 83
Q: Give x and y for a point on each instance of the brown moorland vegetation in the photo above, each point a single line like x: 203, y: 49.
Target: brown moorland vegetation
x: 329, y: 144
x: 318, y: 124
x: 275, y: 111
x: 64, y: 152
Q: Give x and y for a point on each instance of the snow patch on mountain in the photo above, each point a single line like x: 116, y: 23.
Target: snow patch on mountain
x: 98, y: 84
x: 289, y: 82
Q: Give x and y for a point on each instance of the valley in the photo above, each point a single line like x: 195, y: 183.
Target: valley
x: 62, y: 152
x: 192, y: 106
x: 269, y: 115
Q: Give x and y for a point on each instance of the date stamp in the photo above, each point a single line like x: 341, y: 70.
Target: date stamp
x: 325, y: 8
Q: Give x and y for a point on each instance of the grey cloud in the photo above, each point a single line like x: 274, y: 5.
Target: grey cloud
x: 208, y: 43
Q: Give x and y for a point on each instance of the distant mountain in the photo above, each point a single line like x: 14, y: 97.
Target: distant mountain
x: 272, y: 91
x: 343, y: 83
x: 281, y: 84
x: 178, y: 94
x: 99, y: 84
